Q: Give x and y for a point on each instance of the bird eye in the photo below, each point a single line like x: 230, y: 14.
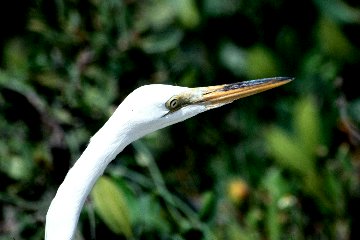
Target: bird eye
x: 173, y: 104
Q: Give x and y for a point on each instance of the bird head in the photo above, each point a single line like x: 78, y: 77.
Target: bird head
x: 155, y: 106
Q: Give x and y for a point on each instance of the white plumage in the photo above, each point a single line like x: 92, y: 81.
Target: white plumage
x: 145, y: 110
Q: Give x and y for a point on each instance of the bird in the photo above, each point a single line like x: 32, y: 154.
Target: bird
x: 145, y: 110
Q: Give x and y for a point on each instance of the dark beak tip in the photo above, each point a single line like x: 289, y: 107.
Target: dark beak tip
x: 280, y: 79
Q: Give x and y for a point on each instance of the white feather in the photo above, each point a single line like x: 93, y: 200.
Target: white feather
x: 142, y: 112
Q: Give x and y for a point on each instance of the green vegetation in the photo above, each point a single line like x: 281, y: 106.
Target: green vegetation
x: 283, y: 164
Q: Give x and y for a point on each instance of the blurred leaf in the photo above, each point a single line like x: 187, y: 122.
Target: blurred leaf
x: 50, y: 80
x: 15, y: 83
x: 276, y: 187
x: 188, y: 13
x: 307, y: 125
x: 233, y: 58
x: 110, y: 203
x: 221, y: 7
x: 261, y: 63
x: 62, y: 115
x: 275, y: 184
x: 143, y: 155
x: 161, y: 42
x: 332, y: 40
x: 15, y: 57
x: 288, y: 152
x: 96, y: 101
x: 253, y: 217
x: 256, y: 62
x: 189, y: 78
x: 334, y: 191
x: 18, y: 169
x: 148, y: 214
x: 236, y: 232
x: 297, y: 153
x: 208, y: 207
x: 157, y: 15
x: 354, y: 110
x: 339, y: 10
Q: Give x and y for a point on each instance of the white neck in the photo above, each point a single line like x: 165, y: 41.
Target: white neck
x: 134, y: 118
x: 64, y: 211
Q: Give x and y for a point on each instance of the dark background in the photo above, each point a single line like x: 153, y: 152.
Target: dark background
x: 283, y: 164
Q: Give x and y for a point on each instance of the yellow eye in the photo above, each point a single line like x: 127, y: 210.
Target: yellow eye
x: 173, y: 103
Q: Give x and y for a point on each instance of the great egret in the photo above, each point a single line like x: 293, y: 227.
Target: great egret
x: 145, y: 110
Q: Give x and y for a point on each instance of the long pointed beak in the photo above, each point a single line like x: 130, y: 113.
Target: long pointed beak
x: 215, y: 96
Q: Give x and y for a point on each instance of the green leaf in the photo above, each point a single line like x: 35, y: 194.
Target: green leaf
x: 156, y: 15
x: 233, y: 58
x: 276, y: 187
x: 111, y: 205
x: 208, y: 206
x: 339, y: 10
x: 334, y: 191
x: 275, y: 184
x: 149, y: 214
x: 161, y: 42
x: 307, y: 125
x: 188, y: 13
x: 261, y: 63
x: 220, y: 8
x: 354, y: 110
x: 288, y: 152
x: 18, y: 168
x: 332, y: 40
x: 15, y: 57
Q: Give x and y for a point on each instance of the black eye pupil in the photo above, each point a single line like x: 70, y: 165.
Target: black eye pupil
x: 174, y: 103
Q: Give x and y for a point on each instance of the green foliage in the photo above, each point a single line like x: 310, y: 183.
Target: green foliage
x: 298, y: 152
x: 279, y: 165
x: 111, y: 205
x: 332, y: 40
x: 276, y: 188
x: 256, y: 62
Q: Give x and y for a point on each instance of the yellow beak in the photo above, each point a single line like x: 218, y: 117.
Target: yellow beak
x: 215, y: 96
